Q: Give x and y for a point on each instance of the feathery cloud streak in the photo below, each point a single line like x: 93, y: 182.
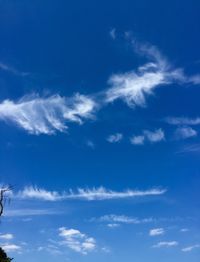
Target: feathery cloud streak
x: 47, y: 115
x: 38, y: 115
x: 93, y: 194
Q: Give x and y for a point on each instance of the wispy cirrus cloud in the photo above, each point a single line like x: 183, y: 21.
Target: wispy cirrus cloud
x: 190, y: 248
x: 122, y: 219
x: 156, y: 232
x: 12, y: 70
x: 48, y: 115
x: 77, y: 241
x: 166, y: 244
x: 31, y: 212
x: 92, y: 194
x: 39, y: 115
x: 184, y: 121
x: 134, y: 87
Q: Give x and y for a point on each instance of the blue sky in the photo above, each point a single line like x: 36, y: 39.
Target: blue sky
x: 100, y: 122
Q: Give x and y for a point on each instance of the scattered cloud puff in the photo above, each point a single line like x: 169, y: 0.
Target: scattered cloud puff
x: 6, y: 236
x: 11, y: 247
x: 115, y: 138
x: 77, y: 241
x: 47, y: 115
x: 190, y: 248
x: 166, y: 244
x: 100, y: 193
x: 137, y: 140
x: 155, y: 136
x: 183, y: 121
x: 152, y: 136
x: 156, y: 232
x: 185, y: 132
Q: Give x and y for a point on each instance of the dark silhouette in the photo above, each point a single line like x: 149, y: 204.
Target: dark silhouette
x: 3, y: 191
x: 3, y: 256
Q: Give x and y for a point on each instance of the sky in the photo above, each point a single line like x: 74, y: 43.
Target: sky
x: 100, y: 130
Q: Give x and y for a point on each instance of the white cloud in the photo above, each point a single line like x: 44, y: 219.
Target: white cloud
x: 10, y: 247
x: 185, y: 132
x: 156, y: 232
x: 190, y: 248
x: 115, y: 138
x: 183, y: 121
x: 30, y: 212
x: 184, y: 230
x: 113, y: 225
x: 77, y: 241
x: 12, y: 70
x: 102, y: 193
x: 137, y: 140
x: 152, y: 136
x: 99, y: 193
x: 134, y: 86
x: 113, y: 33
x: 166, y: 244
x: 38, y: 193
x: 122, y: 219
x: 155, y: 136
x: 47, y: 115
x: 6, y: 236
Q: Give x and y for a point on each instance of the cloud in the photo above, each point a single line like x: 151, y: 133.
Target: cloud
x: 194, y: 148
x: 47, y: 115
x: 133, y: 87
x: 30, y: 212
x: 190, y: 248
x: 156, y: 232
x: 115, y: 138
x: 122, y: 219
x: 99, y: 193
x: 113, y: 225
x: 112, y: 33
x: 38, y: 193
x: 185, y: 121
x: 184, y: 230
x: 6, y: 236
x: 155, y: 136
x: 166, y: 244
x: 10, y: 247
x: 12, y: 70
x: 185, y: 132
x: 77, y: 241
x: 137, y: 140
